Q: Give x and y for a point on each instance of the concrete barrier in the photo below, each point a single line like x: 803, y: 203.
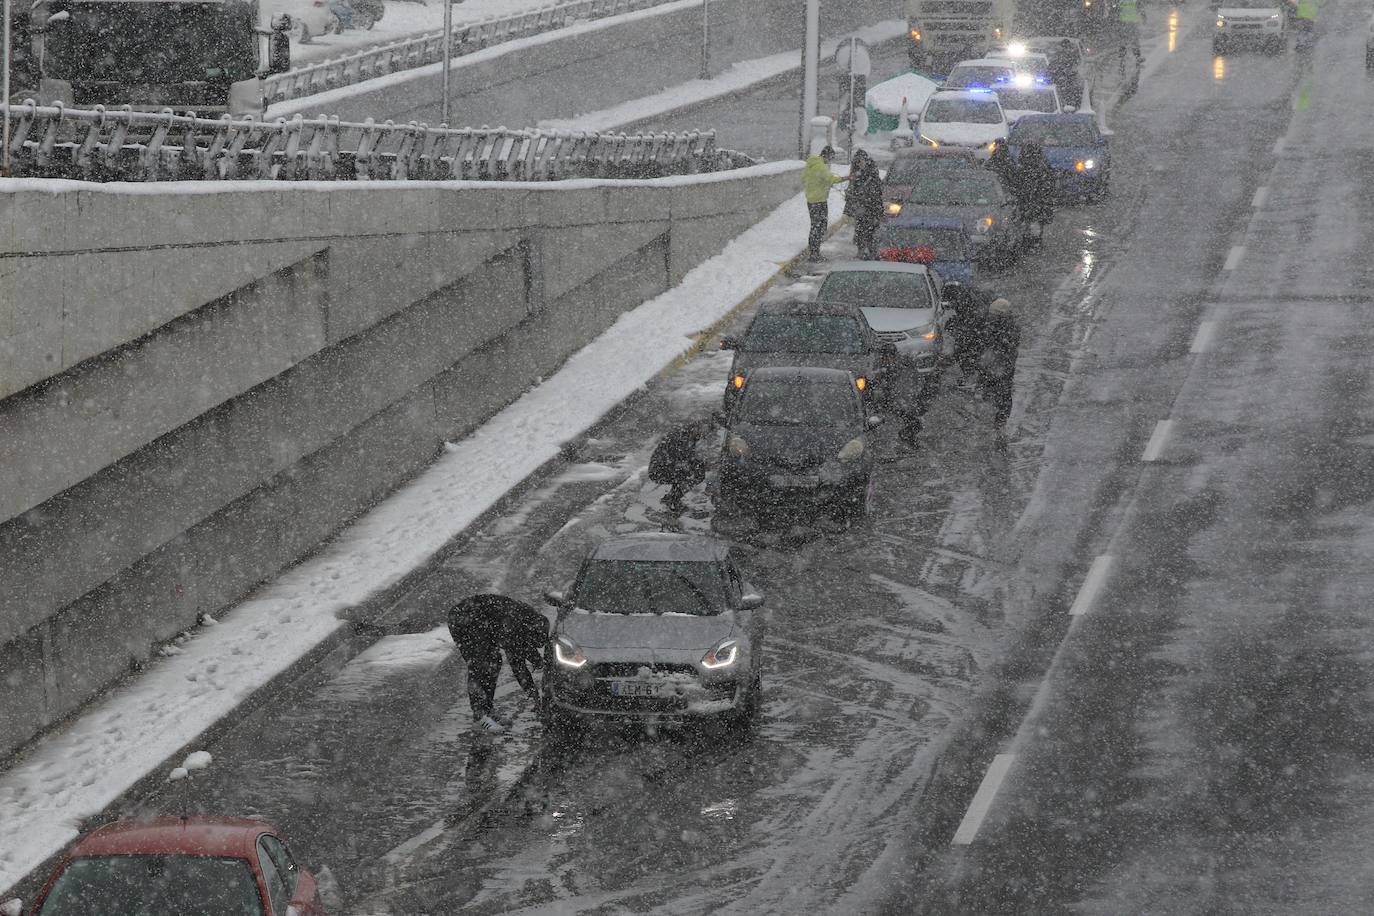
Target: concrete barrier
x: 216, y: 378
x: 591, y: 67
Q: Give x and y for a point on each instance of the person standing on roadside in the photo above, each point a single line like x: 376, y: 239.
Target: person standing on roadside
x: 1129, y: 16
x: 1001, y: 342
x: 1035, y: 187
x: 863, y: 201
x: 483, y: 626
x: 817, y: 180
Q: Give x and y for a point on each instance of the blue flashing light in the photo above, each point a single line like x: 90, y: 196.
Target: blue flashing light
x: 977, y: 89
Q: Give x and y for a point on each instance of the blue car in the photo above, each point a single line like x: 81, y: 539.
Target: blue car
x: 1079, y: 154
x: 900, y: 237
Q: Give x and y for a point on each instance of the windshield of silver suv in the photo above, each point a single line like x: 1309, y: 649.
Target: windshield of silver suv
x: 658, y: 587
x: 876, y: 289
x: 805, y: 334
x: 798, y: 404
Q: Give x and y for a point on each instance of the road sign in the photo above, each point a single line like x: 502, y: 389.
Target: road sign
x: 852, y: 57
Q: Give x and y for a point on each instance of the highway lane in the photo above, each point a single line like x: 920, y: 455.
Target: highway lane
x: 884, y: 635
x: 881, y: 635
x: 1203, y: 745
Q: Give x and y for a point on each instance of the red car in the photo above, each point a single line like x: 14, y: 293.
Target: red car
x: 192, y: 866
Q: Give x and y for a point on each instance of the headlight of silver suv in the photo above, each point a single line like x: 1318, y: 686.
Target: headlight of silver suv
x: 725, y: 654
x: 569, y: 654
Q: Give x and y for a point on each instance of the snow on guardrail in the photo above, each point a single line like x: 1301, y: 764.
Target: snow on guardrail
x: 125, y: 145
x: 427, y: 48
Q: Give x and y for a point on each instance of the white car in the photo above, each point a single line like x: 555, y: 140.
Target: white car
x: 1250, y: 22
x: 979, y: 74
x: 968, y: 118
x: 1028, y: 96
x: 1025, y: 60
x: 309, y: 18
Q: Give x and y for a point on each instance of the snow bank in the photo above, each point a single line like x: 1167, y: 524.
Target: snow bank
x: 887, y: 96
x: 736, y: 78
x: 80, y: 769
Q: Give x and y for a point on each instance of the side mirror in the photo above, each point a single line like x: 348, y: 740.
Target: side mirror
x: 751, y: 601
x: 729, y: 343
x: 54, y: 19
x: 875, y: 421
x: 556, y: 598
x: 13, y: 906
x: 279, y: 51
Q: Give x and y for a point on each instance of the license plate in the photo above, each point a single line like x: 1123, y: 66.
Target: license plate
x: 637, y: 689
x: 792, y: 480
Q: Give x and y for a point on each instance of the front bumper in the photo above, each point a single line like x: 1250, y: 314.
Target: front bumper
x: 753, y: 487
x: 684, y: 693
x: 1249, y: 33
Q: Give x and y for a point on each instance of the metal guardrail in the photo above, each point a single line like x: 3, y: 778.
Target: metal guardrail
x: 427, y: 48
x: 124, y: 145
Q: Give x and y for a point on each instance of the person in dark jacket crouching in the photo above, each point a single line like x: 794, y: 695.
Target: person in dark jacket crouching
x: 675, y: 461
x: 485, y: 625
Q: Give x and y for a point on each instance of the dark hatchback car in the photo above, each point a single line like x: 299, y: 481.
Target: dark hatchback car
x: 1079, y: 154
x: 799, y: 333
x: 798, y: 438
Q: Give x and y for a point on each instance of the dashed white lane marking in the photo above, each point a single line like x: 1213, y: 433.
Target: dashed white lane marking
x: 1155, y: 446
x: 982, y: 800
x: 1261, y: 197
x: 1279, y: 144
x: 1202, y: 342
x: 1092, y: 585
x: 1234, y: 257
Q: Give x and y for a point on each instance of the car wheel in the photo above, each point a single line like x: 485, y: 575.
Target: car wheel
x: 363, y: 20
x: 562, y: 728
x: 854, y: 503
x: 303, y: 32
x: 748, y: 711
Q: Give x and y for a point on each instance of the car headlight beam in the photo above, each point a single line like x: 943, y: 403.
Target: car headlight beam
x: 722, y: 656
x: 568, y: 653
x: 853, y: 450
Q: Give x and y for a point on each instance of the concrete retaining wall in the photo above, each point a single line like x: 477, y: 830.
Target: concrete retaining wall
x: 593, y: 67
x: 207, y: 406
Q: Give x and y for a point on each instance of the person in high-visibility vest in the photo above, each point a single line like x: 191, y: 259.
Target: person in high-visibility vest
x: 1129, y: 16
x: 1305, y: 16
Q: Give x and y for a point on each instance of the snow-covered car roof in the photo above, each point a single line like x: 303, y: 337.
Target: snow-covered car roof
x: 894, y: 267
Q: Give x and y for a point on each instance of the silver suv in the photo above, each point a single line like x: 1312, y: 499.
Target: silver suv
x: 657, y: 626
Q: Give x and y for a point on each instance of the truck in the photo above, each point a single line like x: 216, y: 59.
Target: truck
x: 940, y: 33
x: 202, y: 56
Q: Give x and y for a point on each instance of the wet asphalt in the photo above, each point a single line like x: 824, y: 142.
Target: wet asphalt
x: 1208, y: 704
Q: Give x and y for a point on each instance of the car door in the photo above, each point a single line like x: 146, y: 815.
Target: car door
x: 278, y: 893
x: 301, y: 887
x: 754, y: 622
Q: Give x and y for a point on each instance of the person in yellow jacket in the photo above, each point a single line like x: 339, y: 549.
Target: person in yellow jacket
x: 1129, y: 16
x: 817, y: 180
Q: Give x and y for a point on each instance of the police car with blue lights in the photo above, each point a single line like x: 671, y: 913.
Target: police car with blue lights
x: 968, y: 118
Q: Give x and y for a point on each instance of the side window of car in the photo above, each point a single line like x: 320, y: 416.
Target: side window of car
x: 281, y: 857
x: 276, y: 887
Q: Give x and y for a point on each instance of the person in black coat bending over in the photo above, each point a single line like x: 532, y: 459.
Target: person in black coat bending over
x: 675, y: 461
x: 864, y: 203
x: 484, y: 626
